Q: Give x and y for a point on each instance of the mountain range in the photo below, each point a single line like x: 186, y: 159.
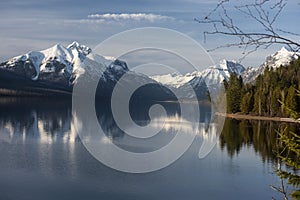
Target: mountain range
x: 54, y: 71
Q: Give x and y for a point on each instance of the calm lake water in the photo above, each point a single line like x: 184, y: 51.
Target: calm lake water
x: 41, y: 157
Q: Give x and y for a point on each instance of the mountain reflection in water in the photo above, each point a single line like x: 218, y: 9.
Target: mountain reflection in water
x: 41, y: 153
x: 50, y: 120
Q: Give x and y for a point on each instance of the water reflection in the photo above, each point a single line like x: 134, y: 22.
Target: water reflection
x: 44, y: 120
x: 261, y: 135
x: 38, y: 140
x: 50, y: 121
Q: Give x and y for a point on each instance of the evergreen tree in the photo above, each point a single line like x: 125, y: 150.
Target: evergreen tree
x: 234, y: 93
x: 264, y: 96
x: 274, y: 104
x: 247, y: 103
x: 291, y: 101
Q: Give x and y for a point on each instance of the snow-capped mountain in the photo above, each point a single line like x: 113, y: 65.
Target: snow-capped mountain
x: 280, y: 58
x: 55, y: 69
x: 213, y: 75
x: 211, y: 78
x: 176, y: 80
x: 55, y: 60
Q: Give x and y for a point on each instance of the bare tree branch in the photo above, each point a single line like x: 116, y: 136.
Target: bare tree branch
x: 262, y: 13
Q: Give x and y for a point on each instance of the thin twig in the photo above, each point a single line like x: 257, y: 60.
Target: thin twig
x: 264, y: 13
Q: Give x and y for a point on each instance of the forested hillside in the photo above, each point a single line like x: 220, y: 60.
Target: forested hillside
x: 267, y: 96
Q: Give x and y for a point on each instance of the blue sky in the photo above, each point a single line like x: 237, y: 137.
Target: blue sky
x: 34, y: 24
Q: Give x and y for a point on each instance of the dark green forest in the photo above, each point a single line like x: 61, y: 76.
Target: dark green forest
x: 272, y: 91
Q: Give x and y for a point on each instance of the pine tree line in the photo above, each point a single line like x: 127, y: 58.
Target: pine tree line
x: 272, y: 90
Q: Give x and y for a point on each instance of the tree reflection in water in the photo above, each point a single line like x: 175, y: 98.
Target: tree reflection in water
x: 263, y: 137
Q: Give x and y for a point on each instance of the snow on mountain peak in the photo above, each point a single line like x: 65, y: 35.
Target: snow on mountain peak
x: 280, y: 58
x: 174, y: 79
x: 230, y: 66
x: 68, y: 63
x: 216, y: 74
x: 283, y: 49
x: 80, y: 48
x: 213, y: 75
x: 58, y: 52
x: 58, y: 59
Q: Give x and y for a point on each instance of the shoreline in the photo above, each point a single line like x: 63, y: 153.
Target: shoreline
x: 263, y: 118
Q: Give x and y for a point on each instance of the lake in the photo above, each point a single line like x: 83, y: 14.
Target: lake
x: 42, y: 157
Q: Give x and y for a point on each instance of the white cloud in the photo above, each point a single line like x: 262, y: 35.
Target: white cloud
x: 130, y: 16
